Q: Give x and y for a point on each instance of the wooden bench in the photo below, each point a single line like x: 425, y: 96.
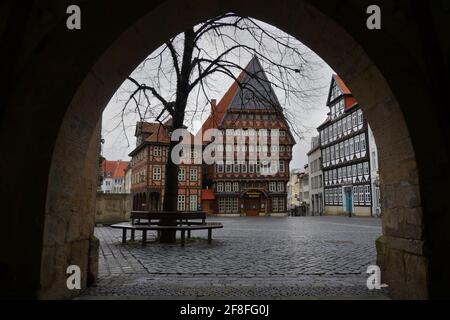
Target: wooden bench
x: 182, y: 217
x: 125, y: 226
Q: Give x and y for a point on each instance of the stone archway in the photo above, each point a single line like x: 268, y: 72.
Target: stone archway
x: 82, y: 70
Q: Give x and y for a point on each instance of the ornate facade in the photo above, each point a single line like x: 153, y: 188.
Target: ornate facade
x: 242, y: 183
x: 344, y: 143
x: 148, y: 165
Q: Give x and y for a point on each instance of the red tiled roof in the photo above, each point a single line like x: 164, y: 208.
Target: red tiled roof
x: 114, y: 169
x: 208, y: 194
x: 217, y: 115
x: 341, y: 84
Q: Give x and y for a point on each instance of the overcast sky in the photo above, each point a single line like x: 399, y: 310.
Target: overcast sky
x: 309, y: 115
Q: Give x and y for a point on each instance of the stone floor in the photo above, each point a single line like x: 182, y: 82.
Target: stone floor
x: 264, y: 258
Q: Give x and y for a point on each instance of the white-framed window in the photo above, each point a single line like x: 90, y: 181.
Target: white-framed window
x: 352, y: 146
x: 282, y: 133
x: 363, y: 142
x: 357, y: 144
x: 193, y: 202
x: 361, y: 194
x: 280, y: 186
x: 194, y: 174
x: 244, y: 167
x: 281, y: 166
x: 347, y: 149
x: 272, y: 186
x: 236, y: 168
x: 251, y: 167
x: 227, y: 186
x: 354, y: 120
x: 181, y: 205
x: 156, y: 173
x: 219, y: 187
x: 181, y: 174
x: 356, y: 195
x: 219, y: 168
x: 366, y: 168
x: 367, y: 193
x: 277, y: 204
x: 360, y: 117
x: 228, y: 167
x: 157, y: 151
x: 235, y: 186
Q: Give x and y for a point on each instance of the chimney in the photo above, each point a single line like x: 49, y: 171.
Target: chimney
x: 213, y: 105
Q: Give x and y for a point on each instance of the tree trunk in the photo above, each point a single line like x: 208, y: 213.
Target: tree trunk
x: 171, y: 187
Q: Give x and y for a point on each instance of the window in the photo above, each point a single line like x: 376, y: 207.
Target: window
x: 272, y: 186
x: 157, y: 151
x: 361, y: 194
x: 235, y: 186
x: 366, y: 168
x: 354, y: 120
x: 360, y: 169
x: 181, y: 174
x: 220, y: 168
x: 227, y: 186
x: 193, y: 202
x: 228, y: 205
x: 280, y: 186
x: 357, y: 144
x: 282, y: 168
x: 228, y: 167
x: 181, y: 202
x: 360, y: 117
x: 193, y: 174
x: 236, y: 167
x: 244, y: 167
x: 251, y: 167
x: 341, y: 149
x: 352, y: 146
x: 354, y: 170
x: 367, y: 193
x: 356, y: 195
x: 282, y: 133
x: 277, y: 204
x: 156, y: 173
x: 219, y: 187
x: 347, y: 149
x: 363, y: 142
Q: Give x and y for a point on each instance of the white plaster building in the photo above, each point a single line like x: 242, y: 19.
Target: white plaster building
x: 315, y: 178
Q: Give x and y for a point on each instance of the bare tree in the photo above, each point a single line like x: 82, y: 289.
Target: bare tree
x: 178, y: 78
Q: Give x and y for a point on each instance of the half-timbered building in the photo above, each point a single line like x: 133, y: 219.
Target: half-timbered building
x: 346, y: 159
x: 241, y: 183
x: 148, y: 165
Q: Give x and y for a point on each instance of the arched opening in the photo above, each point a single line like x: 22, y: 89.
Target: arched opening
x: 67, y: 143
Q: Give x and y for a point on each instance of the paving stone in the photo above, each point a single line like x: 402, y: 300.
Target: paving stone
x: 249, y: 257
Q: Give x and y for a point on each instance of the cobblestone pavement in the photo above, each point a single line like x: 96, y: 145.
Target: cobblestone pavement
x: 273, y: 258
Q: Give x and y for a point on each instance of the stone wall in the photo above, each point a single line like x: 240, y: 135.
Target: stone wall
x: 113, y: 207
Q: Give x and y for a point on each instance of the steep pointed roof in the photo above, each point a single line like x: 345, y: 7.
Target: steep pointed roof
x: 255, y: 91
x: 250, y: 91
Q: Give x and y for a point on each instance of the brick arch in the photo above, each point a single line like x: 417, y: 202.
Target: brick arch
x: 106, y: 52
